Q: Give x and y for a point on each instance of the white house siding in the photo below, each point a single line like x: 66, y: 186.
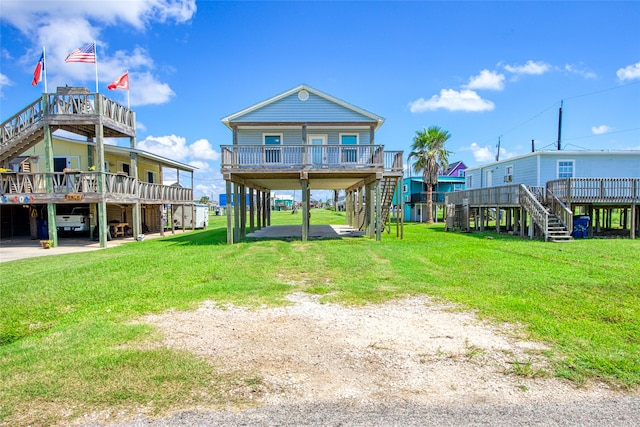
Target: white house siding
x: 536, y: 169
x: 254, y: 136
x: 292, y: 109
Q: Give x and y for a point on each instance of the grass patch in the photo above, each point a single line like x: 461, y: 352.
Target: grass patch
x: 67, y: 341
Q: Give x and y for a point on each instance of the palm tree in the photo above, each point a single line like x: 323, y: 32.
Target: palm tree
x: 430, y: 157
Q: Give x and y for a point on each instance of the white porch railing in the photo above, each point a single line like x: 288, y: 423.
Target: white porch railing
x: 301, y: 156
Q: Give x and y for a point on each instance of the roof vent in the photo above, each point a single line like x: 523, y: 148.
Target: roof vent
x: 303, y: 95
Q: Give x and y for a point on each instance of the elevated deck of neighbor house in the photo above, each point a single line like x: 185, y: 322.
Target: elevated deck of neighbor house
x: 94, y: 117
x: 91, y: 115
x: 552, y: 207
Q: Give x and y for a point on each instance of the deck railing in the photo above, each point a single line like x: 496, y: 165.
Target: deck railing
x: 596, y: 190
x: 538, y: 213
x: 54, y: 104
x: 302, y: 156
x: 36, y: 183
x: 493, y: 196
x: 393, y: 161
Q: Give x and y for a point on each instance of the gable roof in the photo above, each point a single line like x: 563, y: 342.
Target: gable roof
x: 234, y: 117
x: 452, y: 167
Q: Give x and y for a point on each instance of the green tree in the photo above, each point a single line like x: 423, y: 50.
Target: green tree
x: 429, y: 158
x: 204, y: 200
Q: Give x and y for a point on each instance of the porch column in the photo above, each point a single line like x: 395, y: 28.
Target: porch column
x: 236, y: 213
x: 48, y: 164
x: 102, y: 183
x: 252, y: 208
x: 632, y: 229
x: 370, y: 211
x: 305, y: 209
x: 259, y: 209
x: 378, y: 210
x: 136, y: 212
x: 229, y: 212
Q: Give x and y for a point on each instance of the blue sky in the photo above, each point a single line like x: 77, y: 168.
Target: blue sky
x: 481, y: 70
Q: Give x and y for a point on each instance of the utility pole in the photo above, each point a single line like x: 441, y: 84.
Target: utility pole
x: 560, y: 126
x: 498, y: 153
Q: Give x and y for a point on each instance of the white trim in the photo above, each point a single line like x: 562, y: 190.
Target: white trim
x: 323, y: 136
x: 573, y: 168
x: 121, y: 164
x: 153, y: 173
x: 265, y: 134
x: 356, y: 134
x: 379, y: 120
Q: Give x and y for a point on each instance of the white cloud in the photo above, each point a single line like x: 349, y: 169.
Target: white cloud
x: 599, y: 130
x: 4, y: 82
x: 140, y: 126
x: 452, y: 100
x: 172, y: 147
x: 630, y: 72
x: 487, y: 154
x: 489, y: 80
x: 202, y: 150
x: 530, y: 67
x: 579, y: 71
x: 136, y: 13
x: 65, y: 25
x: 146, y: 89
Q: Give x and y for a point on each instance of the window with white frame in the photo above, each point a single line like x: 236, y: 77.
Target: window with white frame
x: 508, y: 173
x: 349, y: 155
x: 469, y: 181
x: 271, y: 153
x: 565, y: 169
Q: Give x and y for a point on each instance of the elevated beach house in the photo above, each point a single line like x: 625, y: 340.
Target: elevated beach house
x: 545, y: 192
x: 304, y: 139
x: 45, y: 175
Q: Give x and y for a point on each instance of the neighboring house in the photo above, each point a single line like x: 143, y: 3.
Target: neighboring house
x: 45, y: 175
x: 540, y: 167
x: 546, y: 189
x: 415, y: 192
x: 304, y: 139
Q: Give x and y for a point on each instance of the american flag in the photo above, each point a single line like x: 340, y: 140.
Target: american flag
x: 86, y: 53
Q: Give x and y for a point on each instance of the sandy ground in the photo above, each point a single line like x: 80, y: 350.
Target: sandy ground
x: 411, y: 349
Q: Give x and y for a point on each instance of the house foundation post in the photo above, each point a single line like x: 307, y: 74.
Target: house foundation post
x: 634, y: 223
x: 229, y: 212
x: 48, y: 157
x: 243, y: 210
x: 379, y: 223
x: 305, y: 209
x: 102, y: 183
x: 370, y: 211
x: 252, y: 208
x: 236, y: 212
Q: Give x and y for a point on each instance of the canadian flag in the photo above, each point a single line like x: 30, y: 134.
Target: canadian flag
x: 121, y: 82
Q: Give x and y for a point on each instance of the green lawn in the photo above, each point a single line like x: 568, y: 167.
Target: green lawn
x: 69, y: 343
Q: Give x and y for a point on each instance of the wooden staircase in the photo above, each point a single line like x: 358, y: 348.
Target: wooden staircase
x: 556, y: 230
x: 389, y: 184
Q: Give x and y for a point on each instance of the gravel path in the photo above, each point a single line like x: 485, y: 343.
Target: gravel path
x: 407, y: 362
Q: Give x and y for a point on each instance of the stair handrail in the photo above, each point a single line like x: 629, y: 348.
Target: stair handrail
x: 560, y: 209
x: 20, y: 121
x: 538, y: 213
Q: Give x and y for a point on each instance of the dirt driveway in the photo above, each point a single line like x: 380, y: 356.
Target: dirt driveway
x: 411, y: 348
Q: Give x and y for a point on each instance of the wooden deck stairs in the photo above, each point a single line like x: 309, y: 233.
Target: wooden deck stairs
x: 556, y: 230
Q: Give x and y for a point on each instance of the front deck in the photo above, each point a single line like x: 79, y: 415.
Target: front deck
x: 558, y: 202
x: 262, y: 168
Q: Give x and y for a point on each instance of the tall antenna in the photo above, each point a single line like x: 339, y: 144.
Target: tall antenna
x: 560, y: 125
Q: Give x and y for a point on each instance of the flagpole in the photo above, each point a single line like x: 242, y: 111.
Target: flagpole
x: 44, y: 68
x: 128, y: 91
x: 95, y: 51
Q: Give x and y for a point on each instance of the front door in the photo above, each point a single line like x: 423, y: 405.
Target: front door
x: 318, y: 152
